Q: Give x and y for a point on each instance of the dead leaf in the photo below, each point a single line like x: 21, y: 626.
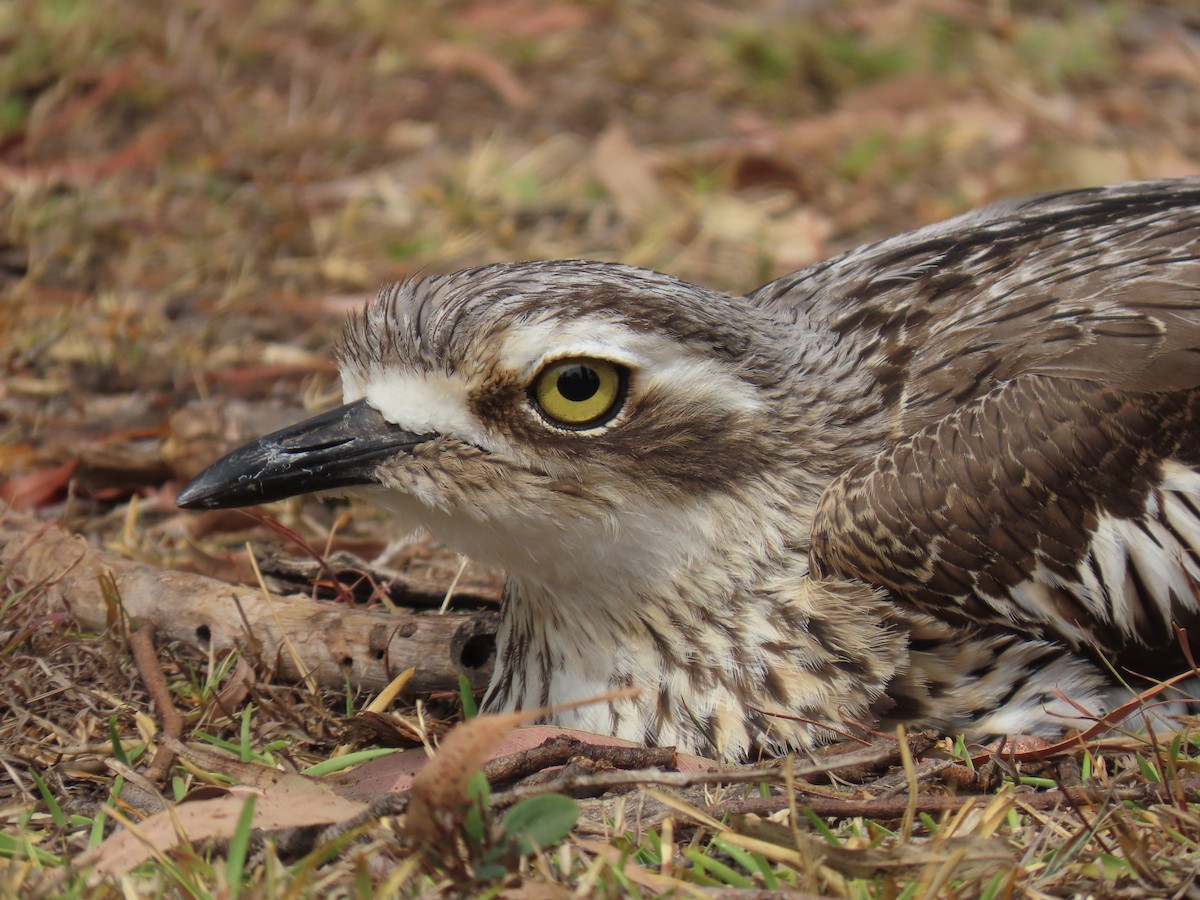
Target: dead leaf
x: 521, y: 18
x: 35, y: 489
x: 391, y: 774
x: 439, y: 790
x: 625, y: 172
x: 245, y: 774
x: 440, y: 787
x: 237, y: 687
x: 292, y: 801
x: 487, y: 68
x: 620, y: 859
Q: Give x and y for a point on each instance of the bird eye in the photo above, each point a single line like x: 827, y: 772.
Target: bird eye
x: 579, y: 392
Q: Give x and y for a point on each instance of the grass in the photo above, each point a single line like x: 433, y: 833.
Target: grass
x: 192, y: 195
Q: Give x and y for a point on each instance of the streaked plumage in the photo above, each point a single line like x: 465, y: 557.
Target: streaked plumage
x: 939, y: 479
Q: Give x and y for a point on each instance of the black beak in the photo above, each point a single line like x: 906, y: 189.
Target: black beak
x: 340, y: 448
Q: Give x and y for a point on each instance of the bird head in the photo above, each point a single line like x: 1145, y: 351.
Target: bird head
x: 549, y: 418
x: 640, y: 455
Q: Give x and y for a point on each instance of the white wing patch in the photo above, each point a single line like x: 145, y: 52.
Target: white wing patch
x: 1138, y: 573
x: 1149, y: 566
x: 1041, y: 700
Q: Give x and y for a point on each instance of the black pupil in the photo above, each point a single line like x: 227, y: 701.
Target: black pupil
x: 578, y: 383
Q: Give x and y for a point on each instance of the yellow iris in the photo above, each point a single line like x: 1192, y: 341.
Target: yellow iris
x: 577, y: 392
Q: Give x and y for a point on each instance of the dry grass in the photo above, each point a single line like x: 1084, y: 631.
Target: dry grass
x: 192, y: 194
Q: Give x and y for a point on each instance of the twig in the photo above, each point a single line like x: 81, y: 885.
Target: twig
x: 560, y: 750
x: 740, y: 775
x: 338, y: 643
x: 141, y: 643
x: 894, y: 807
x: 382, y: 806
x: 887, y: 755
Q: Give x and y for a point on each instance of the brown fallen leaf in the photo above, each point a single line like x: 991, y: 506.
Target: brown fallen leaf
x: 38, y: 488
x: 15, y: 457
x: 236, y: 689
x: 291, y: 801
x: 489, y: 69
x: 626, y: 173
x: 621, y: 861
x: 522, y: 18
x: 439, y: 790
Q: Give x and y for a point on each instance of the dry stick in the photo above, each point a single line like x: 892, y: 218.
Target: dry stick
x: 887, y: 755
x: 553, y: 752
x: 141, y: 643
x: 501, y: 769
x: 186, y: 607
x: 824, y: 805
x: 894, y: 807
x: 740, y: 775
x: 557, y: 751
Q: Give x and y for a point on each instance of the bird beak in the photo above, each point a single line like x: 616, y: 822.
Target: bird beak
x: 337, y: 449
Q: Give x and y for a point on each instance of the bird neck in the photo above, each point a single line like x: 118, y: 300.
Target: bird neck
x: 701, y: 617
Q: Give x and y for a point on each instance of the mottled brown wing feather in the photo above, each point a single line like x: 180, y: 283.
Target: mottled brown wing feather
x: 988, y: 517
x: 1100, y: 284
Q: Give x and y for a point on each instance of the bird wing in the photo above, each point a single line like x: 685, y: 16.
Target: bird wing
x: 1054, y: 506
x: 1040, y: 364
x: 1099, y: 284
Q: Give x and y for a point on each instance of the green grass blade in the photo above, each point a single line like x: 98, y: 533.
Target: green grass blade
x: 239, y: 847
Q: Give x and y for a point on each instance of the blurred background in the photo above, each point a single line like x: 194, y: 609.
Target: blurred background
x: 194, y: 193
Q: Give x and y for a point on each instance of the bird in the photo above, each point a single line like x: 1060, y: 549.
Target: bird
x: 949, y: 479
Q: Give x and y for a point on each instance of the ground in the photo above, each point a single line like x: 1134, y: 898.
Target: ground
x: 194, y: 194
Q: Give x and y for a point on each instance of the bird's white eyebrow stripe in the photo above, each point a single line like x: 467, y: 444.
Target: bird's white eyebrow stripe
x: 533, y: 345
x: 655, y: 358
x: 423, y: 403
